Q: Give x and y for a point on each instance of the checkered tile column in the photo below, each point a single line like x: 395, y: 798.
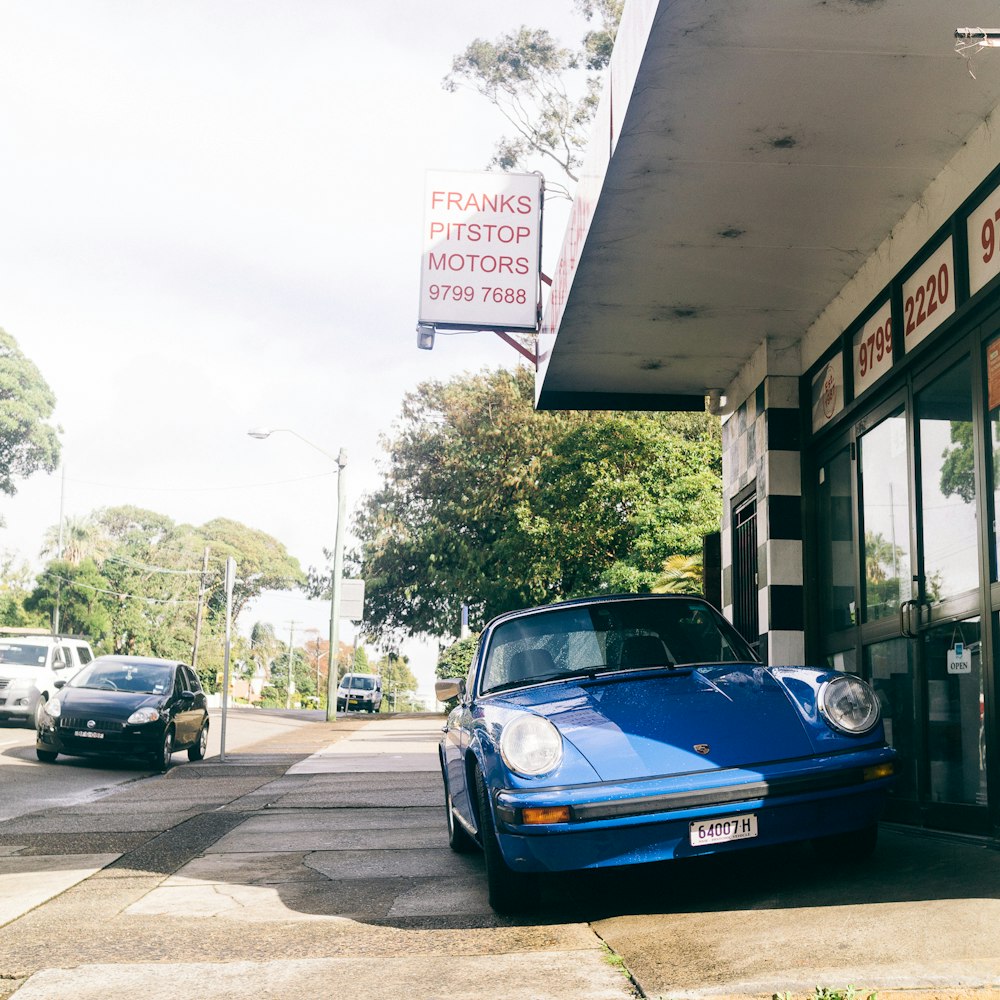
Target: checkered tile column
x: 761, y: 445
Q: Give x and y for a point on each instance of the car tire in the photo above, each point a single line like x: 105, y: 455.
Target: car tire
x: 161, y: 759
x: 39, y: 713
x: 509, y: 891
x: 46, y: 756
x: 459, y: 839
x: 854, y: 846
x: 198, y: 751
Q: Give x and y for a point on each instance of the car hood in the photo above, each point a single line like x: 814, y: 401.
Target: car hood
x: 107, y: 704
x: 21, y: 671
x: 675, y: 721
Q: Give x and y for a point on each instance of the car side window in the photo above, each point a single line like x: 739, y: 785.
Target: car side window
x: 191, y: 680
x: 84, y: 655
x: 59, y: 658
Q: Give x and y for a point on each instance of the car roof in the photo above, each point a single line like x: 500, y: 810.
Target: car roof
x: 577, y: 602
x: 139, y: 661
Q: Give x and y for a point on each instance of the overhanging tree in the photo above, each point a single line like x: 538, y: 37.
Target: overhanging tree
x: 547, y: 93
x: 489, y: 502
x: 28, y: 442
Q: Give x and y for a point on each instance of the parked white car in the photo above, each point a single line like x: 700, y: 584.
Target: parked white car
x: 30, y: 665
x: 361, y: 692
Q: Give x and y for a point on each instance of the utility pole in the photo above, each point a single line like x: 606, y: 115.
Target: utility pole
x: 197, y: 616
x: 59, y: 551
x: 291, y: 679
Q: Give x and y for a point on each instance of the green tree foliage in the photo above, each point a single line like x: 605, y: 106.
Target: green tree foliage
x: 399, y: 685
x: 455, y: 659
x: 28, y: 442
x: 489, y: 502
x: 137, y: 592
x: 15, y: 588
x: 541, y: 88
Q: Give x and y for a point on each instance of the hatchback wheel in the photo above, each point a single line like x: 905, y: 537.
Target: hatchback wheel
x: 198, y: 751
x: 161, y: 759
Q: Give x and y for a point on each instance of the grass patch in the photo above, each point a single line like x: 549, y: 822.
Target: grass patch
x: 825, y: 993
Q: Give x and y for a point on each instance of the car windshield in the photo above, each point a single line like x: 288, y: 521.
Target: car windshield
x: 139, y: 678
x: 22, y: 652
x: 358, y: 683
x: 610, y: 635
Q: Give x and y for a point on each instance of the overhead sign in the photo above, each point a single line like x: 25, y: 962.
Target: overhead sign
x: 873, y: 349
x: 481, y: 251
x: 828, y: 393
x: 929, y: 296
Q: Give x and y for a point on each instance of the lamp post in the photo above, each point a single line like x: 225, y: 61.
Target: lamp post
x: 338, y: 562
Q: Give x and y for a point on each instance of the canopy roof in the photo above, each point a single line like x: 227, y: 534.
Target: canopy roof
x: 764, y: 151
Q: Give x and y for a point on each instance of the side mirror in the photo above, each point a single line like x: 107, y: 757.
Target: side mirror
x: 60, y: 683
x: 187, y: 695
x: 450, y: 687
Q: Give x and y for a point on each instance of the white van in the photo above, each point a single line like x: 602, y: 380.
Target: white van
x: 30, y: 664
x: 362, y: 692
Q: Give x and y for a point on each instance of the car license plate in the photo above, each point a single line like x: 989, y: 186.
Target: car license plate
x: 88, y: 735
x: 723, y: 829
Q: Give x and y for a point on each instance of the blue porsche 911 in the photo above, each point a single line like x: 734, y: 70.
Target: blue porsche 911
x: 627, y: 729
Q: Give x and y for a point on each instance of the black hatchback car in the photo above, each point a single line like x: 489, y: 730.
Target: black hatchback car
x: 126, y: 706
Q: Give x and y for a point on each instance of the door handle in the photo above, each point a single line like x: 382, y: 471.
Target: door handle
x: 906, y: 619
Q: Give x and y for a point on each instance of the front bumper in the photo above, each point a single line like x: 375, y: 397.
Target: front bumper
x: 74, y: 738
x: 620, y: 823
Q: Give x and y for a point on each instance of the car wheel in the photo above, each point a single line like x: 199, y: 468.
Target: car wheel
x: 46, y: 756
x: 459, y: 839
x: 40, y: 711
x: 161, y: 759
x: 198, y: 751
x: 509, y: 891
x: 854, y: 846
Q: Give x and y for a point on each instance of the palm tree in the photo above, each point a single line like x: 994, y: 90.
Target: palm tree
x: 680, y: 575
x: 81, y: 538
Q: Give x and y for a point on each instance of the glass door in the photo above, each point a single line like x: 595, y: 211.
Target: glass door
x: 900, y: 585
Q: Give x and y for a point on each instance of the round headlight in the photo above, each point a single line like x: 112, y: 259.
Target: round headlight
x: 531, y: 745
x: 142, y: 716
x: 849, y: 704
x: 54, y: 707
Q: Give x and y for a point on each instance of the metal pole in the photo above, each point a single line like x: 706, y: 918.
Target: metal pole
x: 290, y: 686
x: 59, y: 551
x: 230, y: 580
x: 338, y: 573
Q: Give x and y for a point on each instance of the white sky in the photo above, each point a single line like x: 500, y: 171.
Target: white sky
x: 210, y: 220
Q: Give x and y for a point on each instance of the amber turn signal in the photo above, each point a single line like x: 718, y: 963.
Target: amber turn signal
x: 876, y: 771
x: 546, y: 814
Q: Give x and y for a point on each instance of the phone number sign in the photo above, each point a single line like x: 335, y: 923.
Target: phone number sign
x: 481, y: 250
x: 873, y: 349
x: 929, y: 295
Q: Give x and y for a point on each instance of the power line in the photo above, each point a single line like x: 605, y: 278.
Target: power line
x: 200, y: 489
x: 115, y: 593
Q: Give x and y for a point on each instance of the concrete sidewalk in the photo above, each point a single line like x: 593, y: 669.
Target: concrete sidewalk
x: 315, y: 866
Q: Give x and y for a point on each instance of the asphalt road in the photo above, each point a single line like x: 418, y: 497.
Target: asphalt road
x: 26, y: 785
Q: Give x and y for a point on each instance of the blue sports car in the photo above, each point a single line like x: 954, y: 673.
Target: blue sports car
x: 626, y: 729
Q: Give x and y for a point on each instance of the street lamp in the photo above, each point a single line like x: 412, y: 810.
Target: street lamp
x: 338, y: 562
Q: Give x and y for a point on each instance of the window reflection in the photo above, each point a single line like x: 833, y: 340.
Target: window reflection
x: 836, y: 544
x: 885, y: 511
x: 948, y: 485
